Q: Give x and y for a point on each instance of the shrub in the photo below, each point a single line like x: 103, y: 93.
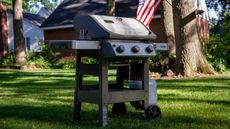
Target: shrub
x: 217, y: 53
x: 38, y: 62
x: 49, y: 59
x: 48, y: 54
x: 8, y: 60
x: 88, y: 60
x: 156, y: 62
x: 44, y: 59
x: 66, y: 64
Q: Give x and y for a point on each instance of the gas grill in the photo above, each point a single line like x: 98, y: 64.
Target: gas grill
x: 123, y: 43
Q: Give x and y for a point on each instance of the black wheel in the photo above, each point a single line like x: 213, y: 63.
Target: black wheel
x: 153, y: 112
x: 119, y: 108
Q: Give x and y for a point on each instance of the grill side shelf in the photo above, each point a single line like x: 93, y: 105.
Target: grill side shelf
x: 86, y: 45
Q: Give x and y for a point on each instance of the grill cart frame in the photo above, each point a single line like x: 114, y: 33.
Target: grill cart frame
x: 103, y: 94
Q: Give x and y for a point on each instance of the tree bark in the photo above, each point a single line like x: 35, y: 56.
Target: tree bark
x: 19, y: 43
x: 3, y: 30
x: 168, y: 26
x: 189, y: 55
x: 110, y: 9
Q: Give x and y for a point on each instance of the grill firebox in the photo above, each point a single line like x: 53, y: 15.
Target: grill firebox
x: 123, y: 43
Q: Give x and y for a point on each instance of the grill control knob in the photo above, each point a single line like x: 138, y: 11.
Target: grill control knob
x: 135, y: 49
x: 120, y: 48
x: 149, y: 49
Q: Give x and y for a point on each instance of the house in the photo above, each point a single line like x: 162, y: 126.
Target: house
x: 59, y: 25
x: 32, y: 32
x: 31, y: 28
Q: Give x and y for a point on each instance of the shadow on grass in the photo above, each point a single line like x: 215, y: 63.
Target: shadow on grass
x: 173, y: 97
x: 56, y: 114
x: 89, y: 118
x: 41, y: 83
x: 194, y: 87
x: 199, y: 84
x: 198, y: 80
x: 16, y: 75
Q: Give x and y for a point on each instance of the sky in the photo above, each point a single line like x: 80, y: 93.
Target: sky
x: 213, y: 14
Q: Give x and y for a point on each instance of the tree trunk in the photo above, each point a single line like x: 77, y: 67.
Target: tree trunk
x: 19, y: 43
x: 3, y: 29
x: 189, y: 55
x: 110, y: 9
x: 168, y: 26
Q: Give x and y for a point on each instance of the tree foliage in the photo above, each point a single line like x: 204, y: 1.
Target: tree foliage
x: 216, y: 3
x: 9, y: 2
x: 46, y: 3
x: 222, y: 6
x: 218, y: 48
x: 26, y: 7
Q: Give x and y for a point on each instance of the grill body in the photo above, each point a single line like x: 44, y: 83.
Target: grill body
x: 108, y: 27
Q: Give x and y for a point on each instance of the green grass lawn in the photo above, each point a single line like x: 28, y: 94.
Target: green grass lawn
x: 44, y: 100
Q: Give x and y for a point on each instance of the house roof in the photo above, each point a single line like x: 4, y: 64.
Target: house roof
x: 68, y: 9
x: 44, y: 12
x: 32, y: 18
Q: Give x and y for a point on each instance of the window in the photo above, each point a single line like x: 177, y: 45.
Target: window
x: 27, y: 43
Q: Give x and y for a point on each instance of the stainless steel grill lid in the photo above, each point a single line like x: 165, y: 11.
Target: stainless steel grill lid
x: 108, y: 27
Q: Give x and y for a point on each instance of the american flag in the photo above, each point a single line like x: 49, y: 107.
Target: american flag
x: 202, y: 20
x: 146, y: 10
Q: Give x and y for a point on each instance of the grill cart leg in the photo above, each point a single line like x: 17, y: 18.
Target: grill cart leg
x: 151, y: 111
x: 78, y: 84
x: 103, y: 88
x: 145, y: 81
x: 103, y: 110
x: 77, y: 111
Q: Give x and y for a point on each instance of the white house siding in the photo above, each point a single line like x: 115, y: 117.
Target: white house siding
x: 34, y: 33
x: 10, y: 32
x: 31, y: 32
